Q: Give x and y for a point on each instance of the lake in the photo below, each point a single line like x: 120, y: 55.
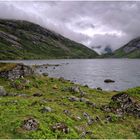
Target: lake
x: 93, y: 72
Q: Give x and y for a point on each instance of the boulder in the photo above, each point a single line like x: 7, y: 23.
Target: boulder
x: 19, y: 70
x: 2, y: 91
x: 109, y: 81
x: 46, y: 109
x: 60, y: 127
x: 30, y: 124
x: 74, y: 89
x: 84, y: 100
x: 82, y: 93
x: 99, y: 88
x: 97, y: 119
x: 67, y: 112
x: 106, y: 108
x: 73, y: 98
x: 86, y: 115
x: 22, y: 95
x: 55, y: 87
x: 125, y: 105
x: 86, y: 86
x: 37, y: 94
x: 90, y: 120
x: 85, y: 133
x: 89, y: 103
x: 108, y: 118
x: 62, y: 79
x: 78, y: 118
x: 122, y: 98
x: 45, y: 74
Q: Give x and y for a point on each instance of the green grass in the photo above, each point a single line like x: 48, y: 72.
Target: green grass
x: 12, y: 114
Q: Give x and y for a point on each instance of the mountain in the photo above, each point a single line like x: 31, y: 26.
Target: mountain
x: 130, y: 50
x: 25, y: 40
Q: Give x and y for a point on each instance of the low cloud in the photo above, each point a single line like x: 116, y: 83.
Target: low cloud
x: 91, y: 23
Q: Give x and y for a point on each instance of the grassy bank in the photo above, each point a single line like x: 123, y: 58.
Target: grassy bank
x: 27, y: 97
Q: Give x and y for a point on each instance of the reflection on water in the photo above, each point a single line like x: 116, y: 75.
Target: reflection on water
x: 93, y: 72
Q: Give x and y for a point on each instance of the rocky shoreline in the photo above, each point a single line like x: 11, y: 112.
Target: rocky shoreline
x: 36, y: 106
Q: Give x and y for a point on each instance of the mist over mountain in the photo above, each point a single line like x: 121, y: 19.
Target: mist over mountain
x: 90, y: 23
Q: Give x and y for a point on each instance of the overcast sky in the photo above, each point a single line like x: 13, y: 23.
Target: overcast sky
x: 91, y: 23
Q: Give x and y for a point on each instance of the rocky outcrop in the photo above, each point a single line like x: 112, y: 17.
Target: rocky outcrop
x: 18, y: 71
x: 30, y: 124
x: 125, y: 104
x: 60, y: 127
x: 122, y: 104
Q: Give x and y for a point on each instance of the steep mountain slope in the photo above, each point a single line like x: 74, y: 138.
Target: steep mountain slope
x: 130, y: 50
x: 26, y: 40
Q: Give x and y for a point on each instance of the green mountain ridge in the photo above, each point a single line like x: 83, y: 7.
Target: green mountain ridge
x: 25, y: 40
x: 130, y: 50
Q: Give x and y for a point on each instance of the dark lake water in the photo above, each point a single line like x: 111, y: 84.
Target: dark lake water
x: 93, y: 72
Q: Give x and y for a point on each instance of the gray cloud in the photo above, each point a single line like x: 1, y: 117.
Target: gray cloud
x: 91, y: 23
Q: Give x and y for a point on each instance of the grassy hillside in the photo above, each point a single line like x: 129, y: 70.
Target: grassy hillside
x: 130, y: 50
x: 50, y: 102
x: 26, y: 40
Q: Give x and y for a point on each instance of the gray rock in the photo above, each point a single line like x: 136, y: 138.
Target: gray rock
x: 89, y: 103
x: 84, y: 100
x: 46, y: 109
x: 30, y: 124
x: 37, y: 94
x: 99, y: 88
x: 122, y: 98
x: 67, y: 112
x: 86, y: 86
x: 97, y: 119
x: 73, y: 98
x: 82, y: 93
x: 74, y: 89
x: 106, y: 108
x: 90, y: 121
x: 62, y: 79
x: 109, y: 81
x: 22, y: 95
x: 60, y: 127
x: 18, y: 71
x: 85, y: 133
x: 125, y: 104
x: 78, y: 118
x: 2, y: 91
x: 45, y: 74
x: 108, y: 118
x: 86, y: 115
